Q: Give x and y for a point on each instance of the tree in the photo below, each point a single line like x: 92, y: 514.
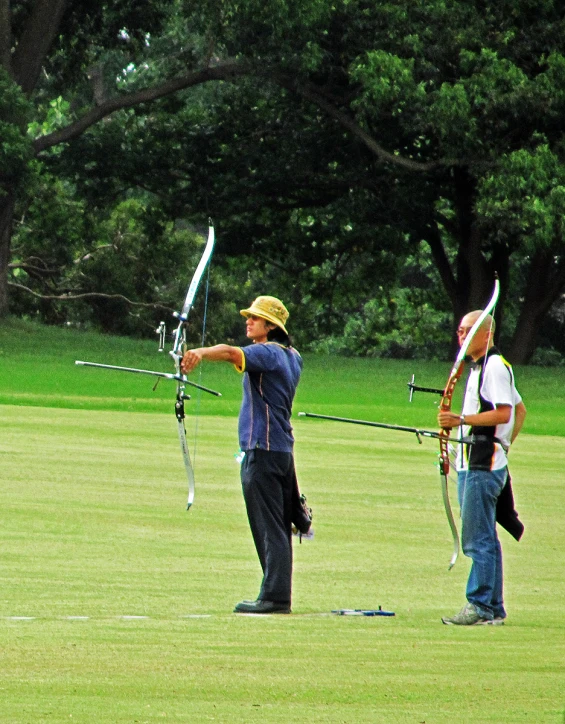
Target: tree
x: 462, y: 105
x: 425, y: 115
x: 52, y: 46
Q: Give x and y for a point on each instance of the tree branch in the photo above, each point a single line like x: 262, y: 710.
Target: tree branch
x: 223, y: 71
x: 228, y: 71
x: 39, y: 270
x: 90, y: 295
x: 308, y: 92
x: 432, y: 237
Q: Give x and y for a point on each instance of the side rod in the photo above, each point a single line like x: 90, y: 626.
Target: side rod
x: 417, y: 388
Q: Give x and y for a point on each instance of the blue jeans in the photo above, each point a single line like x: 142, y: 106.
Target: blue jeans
x: 478, y: 492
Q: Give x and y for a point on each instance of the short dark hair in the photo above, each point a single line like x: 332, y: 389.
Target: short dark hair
x: 280, y: 336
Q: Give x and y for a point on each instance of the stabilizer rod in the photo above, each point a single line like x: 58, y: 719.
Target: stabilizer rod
x: 415, y: 430
x: 166, y: 375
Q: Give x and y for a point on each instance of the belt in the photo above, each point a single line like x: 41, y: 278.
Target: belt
x: 473, y: 439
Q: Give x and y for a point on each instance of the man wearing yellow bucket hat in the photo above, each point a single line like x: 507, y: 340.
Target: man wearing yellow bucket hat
x: 271, y: 370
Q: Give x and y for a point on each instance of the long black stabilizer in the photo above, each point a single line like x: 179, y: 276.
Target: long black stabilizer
x: 164, y: 375
x: 415, y: 430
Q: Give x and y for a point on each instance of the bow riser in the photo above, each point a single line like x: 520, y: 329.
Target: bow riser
x: 445, y: 406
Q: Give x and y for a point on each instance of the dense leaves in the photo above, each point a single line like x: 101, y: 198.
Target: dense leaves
x: 15, y: 147
x: 372, y: 163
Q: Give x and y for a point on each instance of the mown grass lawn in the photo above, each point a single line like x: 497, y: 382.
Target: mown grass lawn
x: 116, y: 604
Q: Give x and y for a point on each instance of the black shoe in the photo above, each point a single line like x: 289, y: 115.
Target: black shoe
x: 260, y: 606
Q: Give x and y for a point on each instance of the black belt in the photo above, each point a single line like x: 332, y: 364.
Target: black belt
x: 473, y: 439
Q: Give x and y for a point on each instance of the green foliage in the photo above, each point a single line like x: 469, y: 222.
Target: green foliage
x: 387, y: 82
x: 55, y: 227
x: 550, y: 83
x: 403, y: 326
x: 467, y: 97
x: 133, y: 252
x: 494, y: 84
x: 452, y: 110
x: 289, y: 32
x: 525, y: 197
x: 548, y: 358
x: 15, y: 148
x: 56, y: 117
x: 139, y: 255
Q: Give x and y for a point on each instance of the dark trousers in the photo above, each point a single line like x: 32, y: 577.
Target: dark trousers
x: 267, y: 479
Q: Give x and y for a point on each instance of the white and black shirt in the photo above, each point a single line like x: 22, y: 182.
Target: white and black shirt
x: 490, y: 383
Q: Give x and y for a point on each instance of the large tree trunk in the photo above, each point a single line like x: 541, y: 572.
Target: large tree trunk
x: 39, y: 32
x: 475, y: 276
x: 524, y: 340
x: 470, y: 286
x: 6, y: 218
x: 24, y: 66
x: 545, y: 282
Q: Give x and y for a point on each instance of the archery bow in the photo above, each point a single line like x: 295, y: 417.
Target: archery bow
x: 176, y: 353
x: 445, y: 406
x: 179, y: 343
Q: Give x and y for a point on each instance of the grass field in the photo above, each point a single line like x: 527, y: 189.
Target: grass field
x: 115, y: 603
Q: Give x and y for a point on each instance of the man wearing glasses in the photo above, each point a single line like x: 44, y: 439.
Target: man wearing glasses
x: 493, y: 414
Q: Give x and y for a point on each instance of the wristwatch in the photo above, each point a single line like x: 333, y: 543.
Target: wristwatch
x: 461, y: 419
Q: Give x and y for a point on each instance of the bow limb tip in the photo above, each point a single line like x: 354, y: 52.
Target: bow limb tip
x: 454, y: 558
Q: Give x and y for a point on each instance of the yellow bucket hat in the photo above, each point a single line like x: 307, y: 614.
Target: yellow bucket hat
x: 269, y: 308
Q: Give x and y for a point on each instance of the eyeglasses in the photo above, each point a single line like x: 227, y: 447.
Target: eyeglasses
x: 463, y: 330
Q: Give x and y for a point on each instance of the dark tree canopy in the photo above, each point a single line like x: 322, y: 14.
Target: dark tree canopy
x: 348, y: 150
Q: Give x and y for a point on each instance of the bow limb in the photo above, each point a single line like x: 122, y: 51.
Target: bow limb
x: 176, y: 354
x: 445, y: 406
x: 450, y: 520
x: 444, y: 434
x: 180, y: 334
x: 179, y: 411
